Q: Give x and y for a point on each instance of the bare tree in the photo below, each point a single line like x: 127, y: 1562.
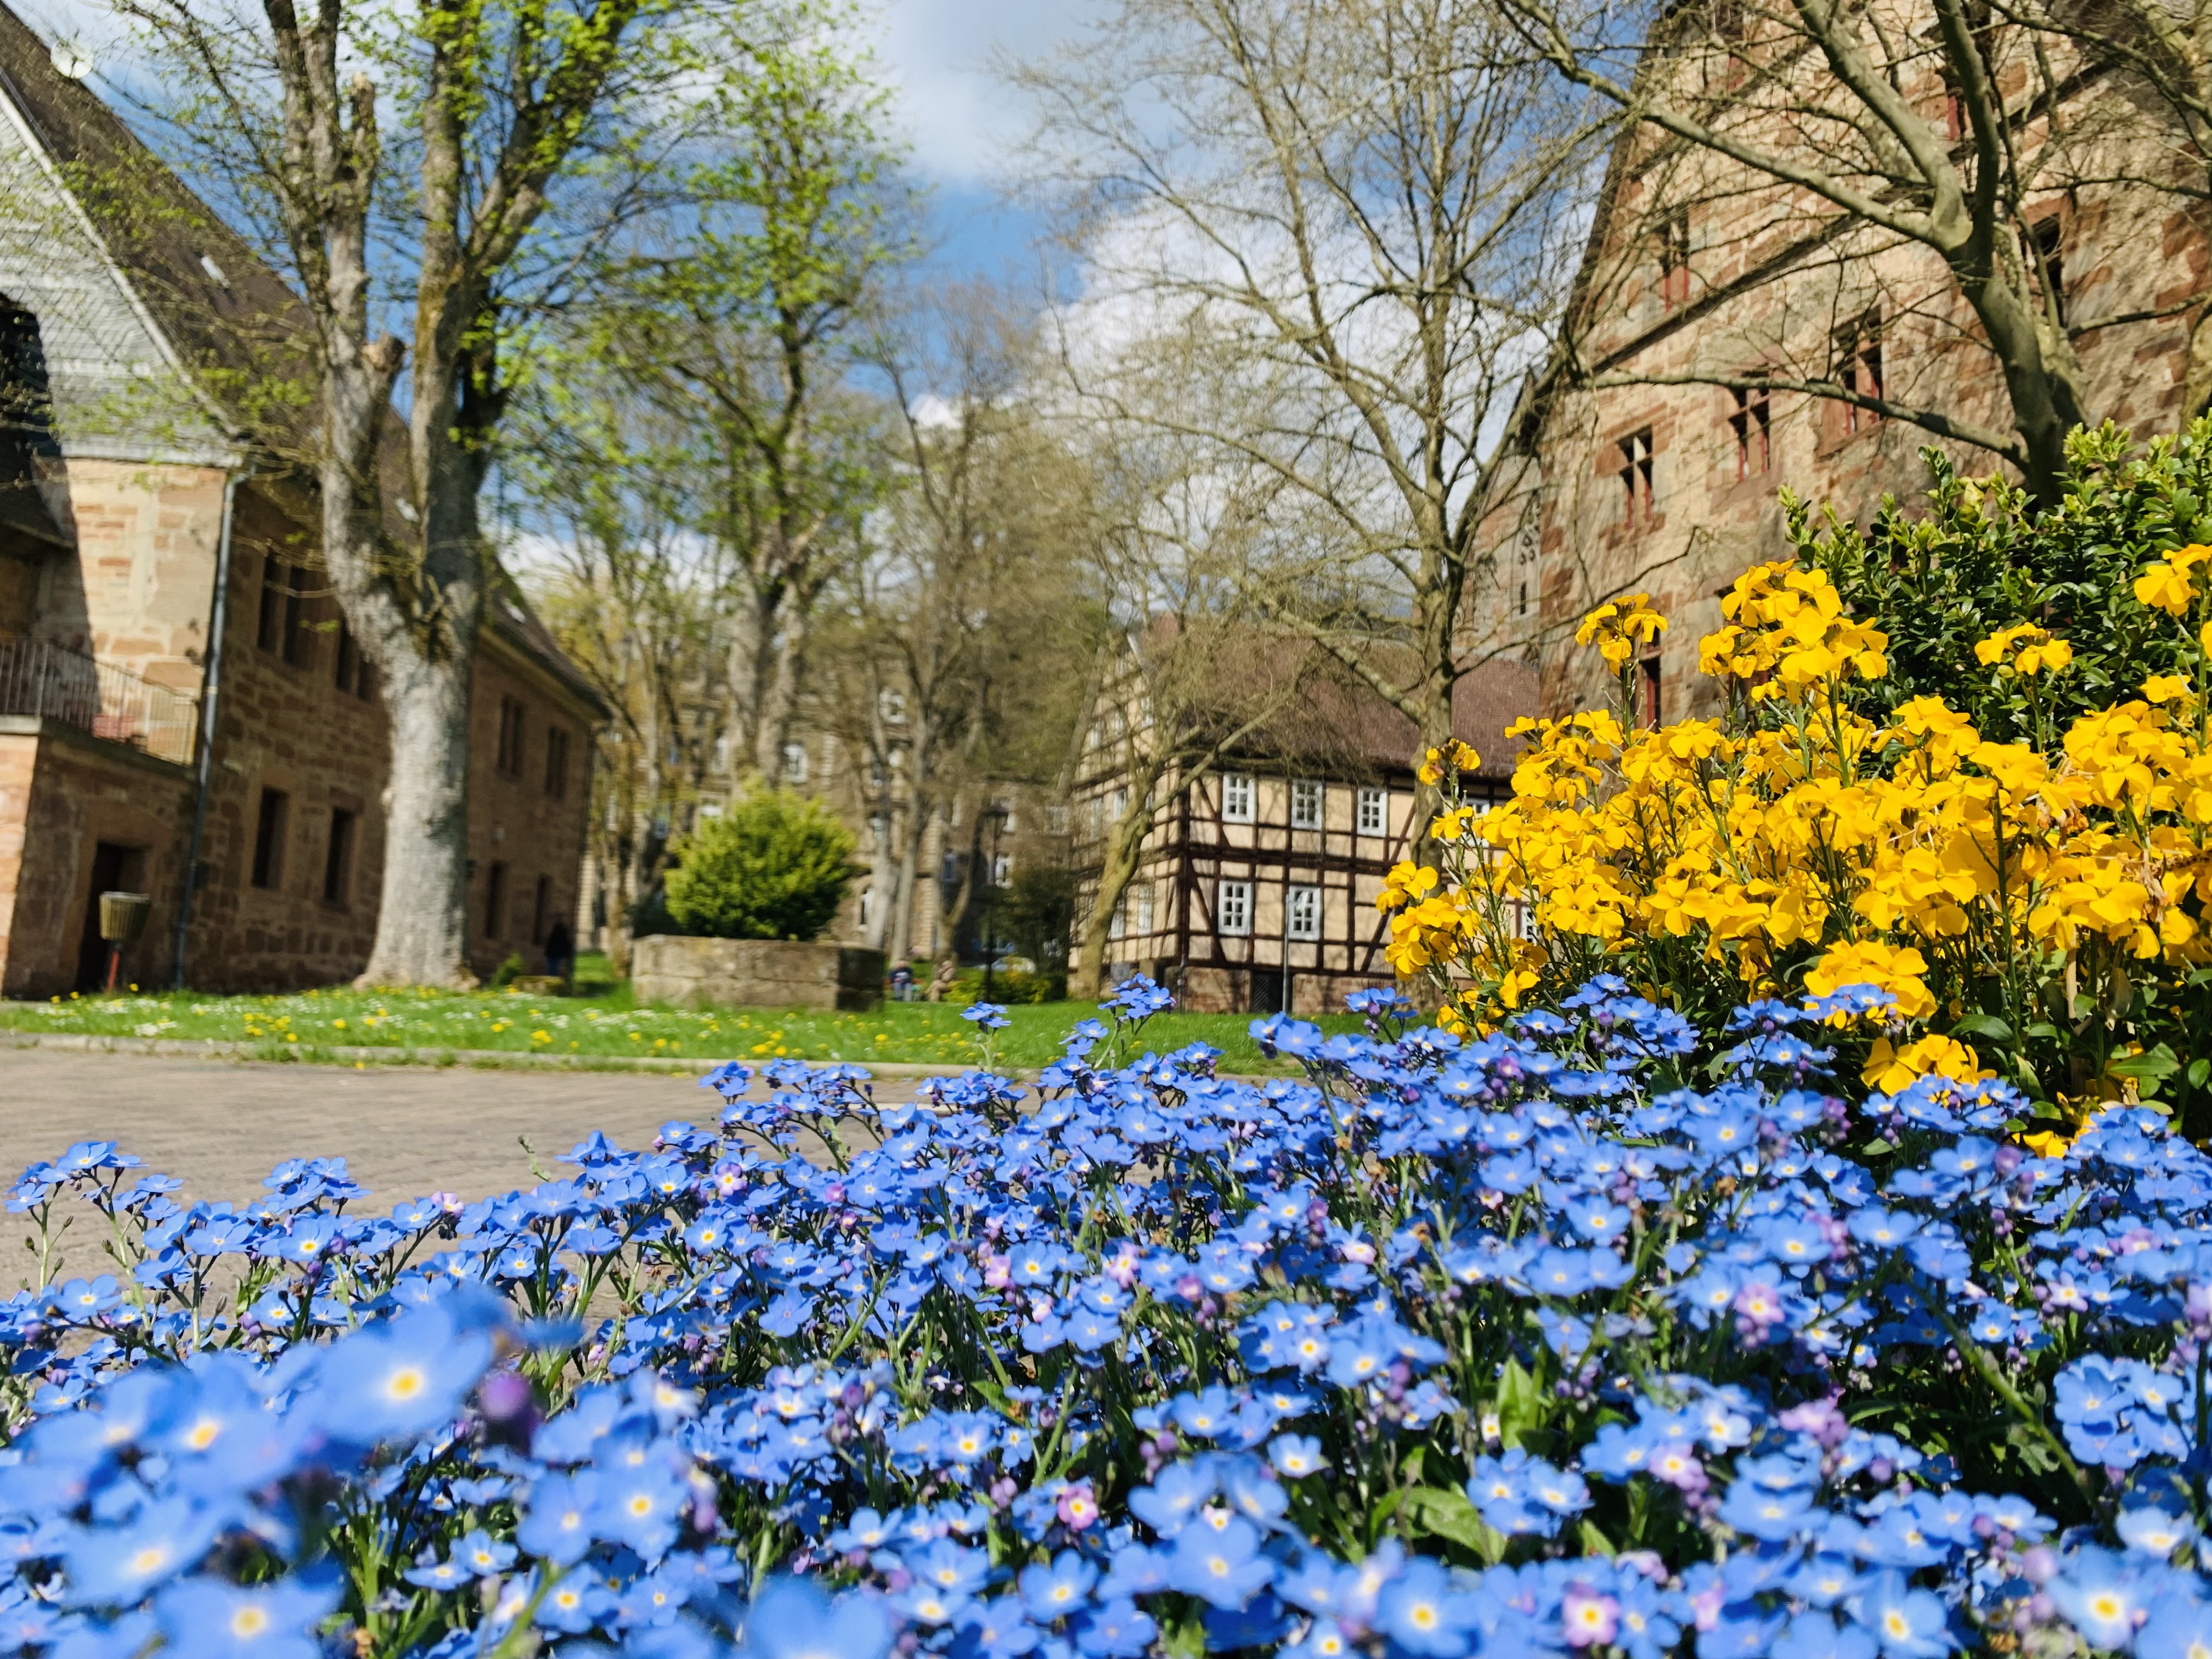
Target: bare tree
x: 639, y: 602
x: 1327, y: 242
x: 945, y: 669
x: 1201, y: 670
x: 407, y: 247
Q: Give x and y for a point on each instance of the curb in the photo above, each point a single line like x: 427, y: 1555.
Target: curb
x: 437, y: 1059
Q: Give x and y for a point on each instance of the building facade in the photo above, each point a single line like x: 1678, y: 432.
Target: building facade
x: 170, y: 655
x: 1255, y: 890
x: 1698, y: 270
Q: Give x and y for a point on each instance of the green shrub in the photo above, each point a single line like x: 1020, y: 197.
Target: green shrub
x: 775, y: 866
x: 507, y: 972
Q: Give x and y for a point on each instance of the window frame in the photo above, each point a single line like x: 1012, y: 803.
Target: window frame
x: 1232, y: 894
x: 1638, y: 473
x: 1234, y: 786
x: 556, y: 763
x: 1752, y: 422
x: 1302, y: 928
x: 1308, y: 803
x: 273, y: 815
x: 1376, y: 796
x: 337, y: 857
x: 494, y: 909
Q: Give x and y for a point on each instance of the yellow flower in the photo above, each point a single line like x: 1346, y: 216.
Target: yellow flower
x: 1893, y: 1070
x: 1619, y: 626
x: 2026, y: 649
x: 2164, y: 586
x: 1892, y: 968
x: 2167, y: 688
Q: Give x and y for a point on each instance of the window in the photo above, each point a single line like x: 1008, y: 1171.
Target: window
x: 2050, y: 255
x: 495, y: 901
x: 891, y: 704
x: 337, y: 858
x: 1144, y: 908
x: 1305, y: 913
x: 879, y: 833
x: 1305, y: 803
x: 1374, y: 811
x: 1675, y: 259
x: 269, y: 839
x: 1237, y: 798
x: 541, y: 909
x: 556, y: 763
x: 1233, y: 909
x: 1121, y: 802
x: 348, y: 676
x: 1754, y: 449
x: 282, y: 627
x: 1118, y: 923
x: 1055, y: 820
x: 510, y: 738
x: 1647, y: 691
x: 1006, y: 811
x: 1002, y: 865
x: 27, y: 429
x: 1858, y: 349
x: 794, y: 762
x: 1635, y: 477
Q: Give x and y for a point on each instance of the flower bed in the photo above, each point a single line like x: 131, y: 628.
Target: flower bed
x: 1538, y: 1341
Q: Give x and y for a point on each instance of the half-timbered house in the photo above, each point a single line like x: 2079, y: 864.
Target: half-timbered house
x: 1256, y: 887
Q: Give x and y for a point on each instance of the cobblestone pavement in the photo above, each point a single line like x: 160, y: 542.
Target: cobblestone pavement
x: 219, y: 1125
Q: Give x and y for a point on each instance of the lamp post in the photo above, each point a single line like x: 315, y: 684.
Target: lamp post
x: 995, y: 818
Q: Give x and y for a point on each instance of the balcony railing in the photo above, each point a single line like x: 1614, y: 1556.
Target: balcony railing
x: 40, y: 679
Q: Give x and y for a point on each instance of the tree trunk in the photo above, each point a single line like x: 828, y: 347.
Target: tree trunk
x: 2047, y: 401
x: 422, y: 923
x: 914, y: 837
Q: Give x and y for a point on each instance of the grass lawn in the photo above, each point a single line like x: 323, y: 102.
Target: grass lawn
x: 607, y: 1021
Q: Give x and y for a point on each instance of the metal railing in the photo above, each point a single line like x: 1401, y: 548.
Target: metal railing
x: 40, y: 679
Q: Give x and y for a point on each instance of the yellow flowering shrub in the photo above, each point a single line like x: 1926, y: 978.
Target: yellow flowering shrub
x: 2033, y: 909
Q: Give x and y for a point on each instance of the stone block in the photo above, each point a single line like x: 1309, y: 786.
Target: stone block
x: 755, y: 973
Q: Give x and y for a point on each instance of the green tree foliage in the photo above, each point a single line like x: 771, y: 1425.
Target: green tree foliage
x: 1035, y: 909
x: 1976, y: 557
x: 775, y: 866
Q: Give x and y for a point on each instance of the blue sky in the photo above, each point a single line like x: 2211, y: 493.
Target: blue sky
x: 961, y: 121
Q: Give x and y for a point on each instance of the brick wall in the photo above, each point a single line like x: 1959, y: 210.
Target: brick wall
x: 526, y: 834
x: 1761, y: 294
x: 63, y: 793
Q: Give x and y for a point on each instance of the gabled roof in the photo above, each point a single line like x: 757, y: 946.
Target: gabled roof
x: 214, y: 301
x: 238, y: 332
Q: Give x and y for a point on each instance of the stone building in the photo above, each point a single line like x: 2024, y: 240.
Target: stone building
x: 174, y: 673
x: 968, y: 846
x: 1697, y: 268
x: 1256, y: 886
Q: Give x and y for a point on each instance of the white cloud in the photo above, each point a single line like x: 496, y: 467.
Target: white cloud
x: 962, y: 120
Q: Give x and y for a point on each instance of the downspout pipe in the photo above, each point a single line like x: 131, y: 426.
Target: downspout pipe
x: 211, y: 695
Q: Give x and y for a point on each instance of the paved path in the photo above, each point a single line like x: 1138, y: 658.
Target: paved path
x: 219, y: 1125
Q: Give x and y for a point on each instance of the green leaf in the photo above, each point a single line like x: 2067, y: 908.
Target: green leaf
x: 1449, y: 1515
x: 1520, y: 1403
x: 1184, y: 1640
x: 1988, y: 1025
x: 2032, y: 1448
x: 1594, y: 1541
x: 2158, y: 1063
x: 2198, y: 1071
